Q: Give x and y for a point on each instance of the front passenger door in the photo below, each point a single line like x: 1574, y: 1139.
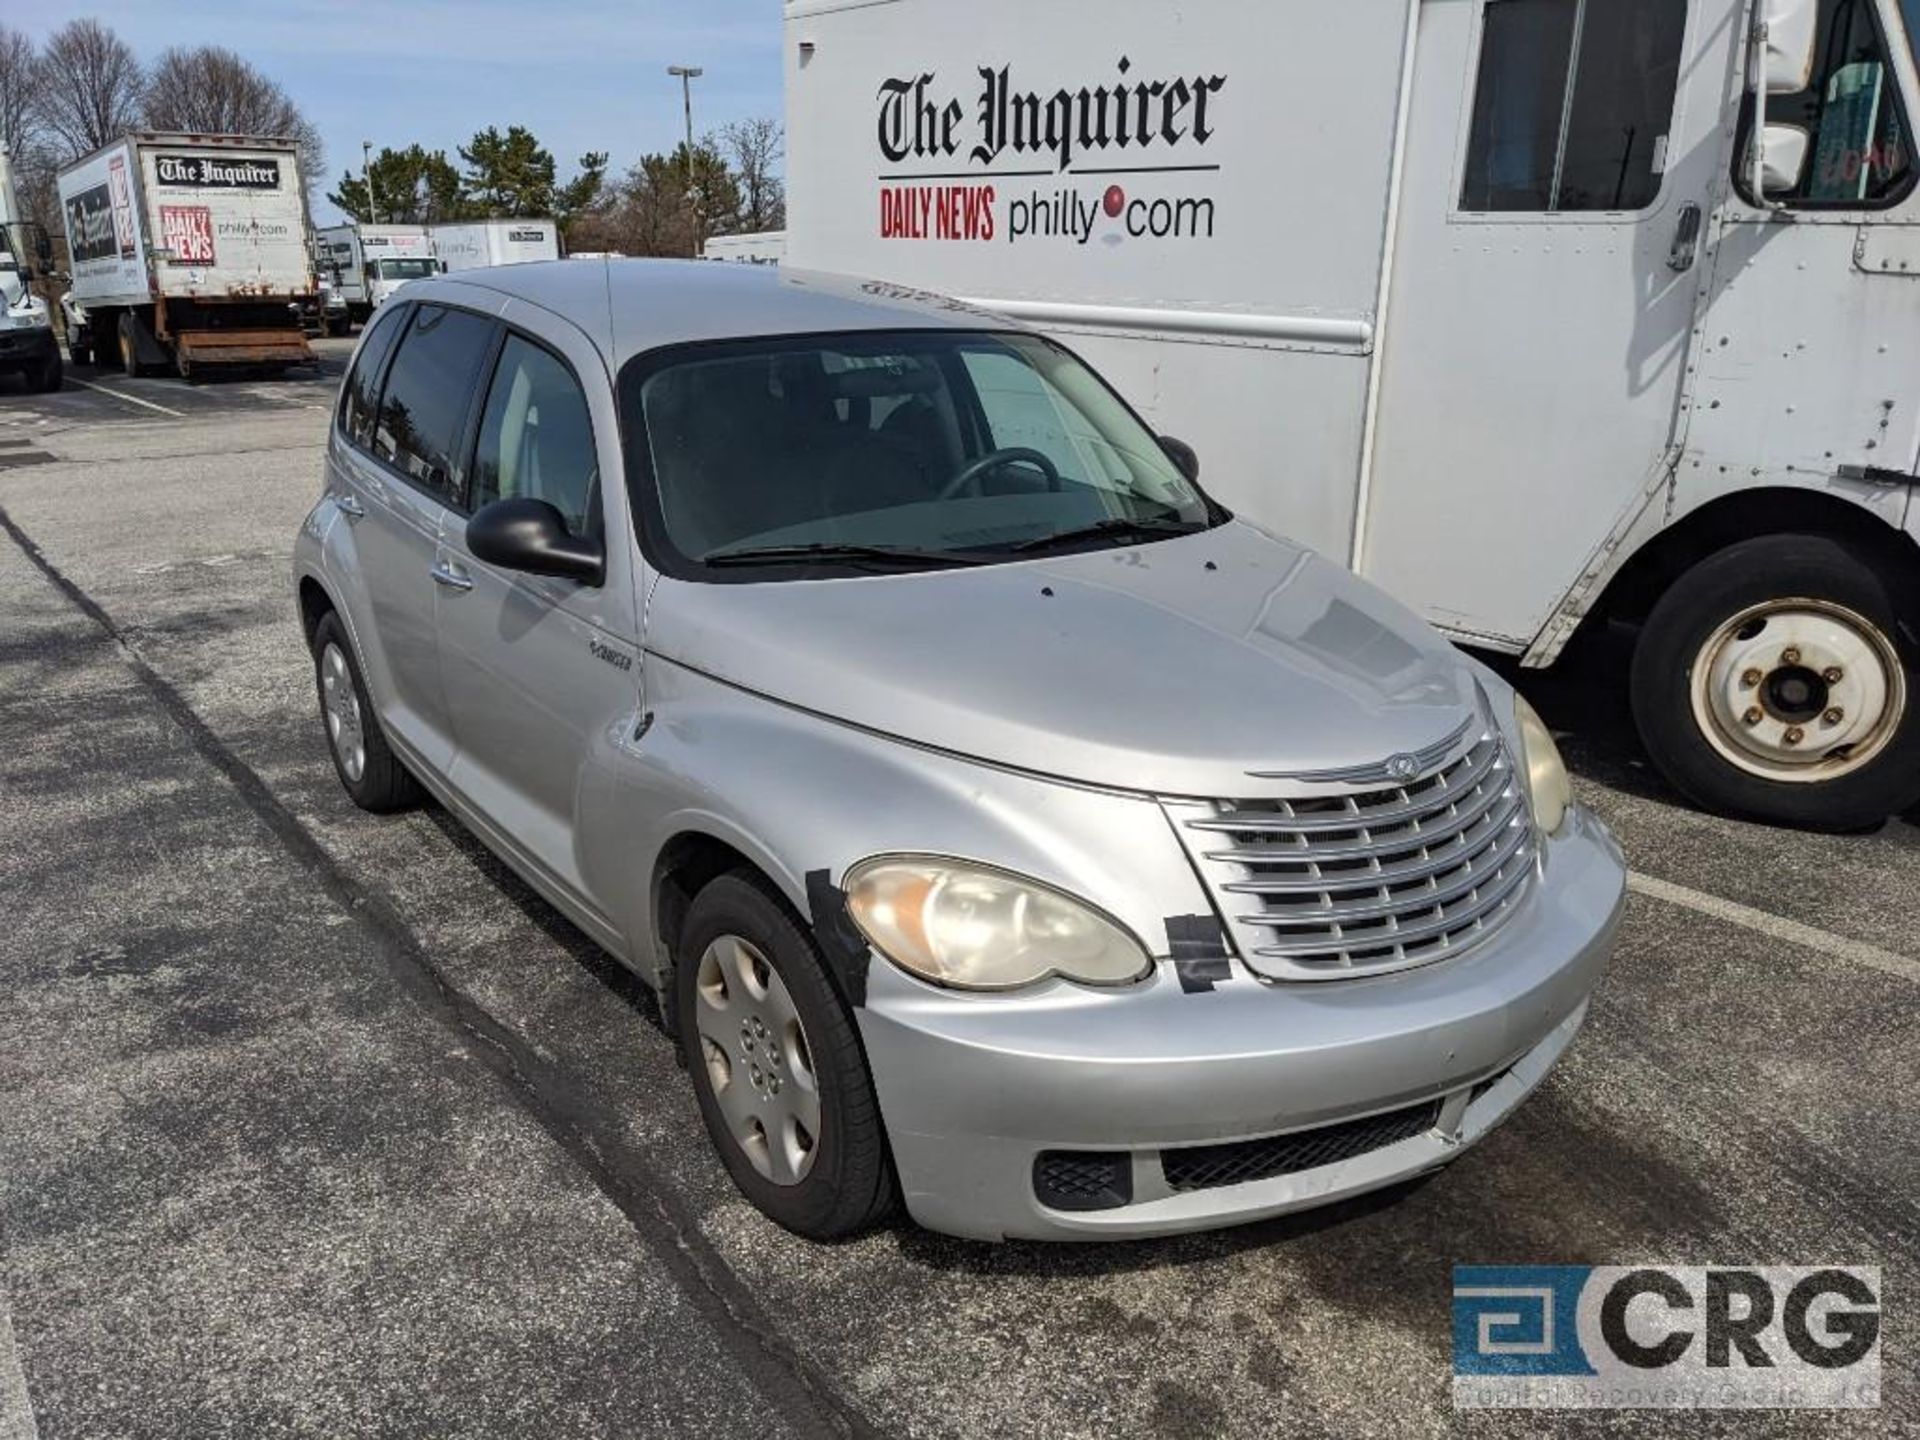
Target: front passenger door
x: 539, y: 671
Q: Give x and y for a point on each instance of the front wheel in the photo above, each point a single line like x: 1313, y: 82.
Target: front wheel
x: 47, y: 378
x: 1772, y: 682
x: 776, y: 1064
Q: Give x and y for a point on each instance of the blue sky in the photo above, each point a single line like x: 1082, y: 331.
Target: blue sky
x: 581, y: 74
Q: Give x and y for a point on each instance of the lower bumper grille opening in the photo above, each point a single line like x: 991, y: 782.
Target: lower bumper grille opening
x: 1083, y: 1179
x: 1205, y: 1167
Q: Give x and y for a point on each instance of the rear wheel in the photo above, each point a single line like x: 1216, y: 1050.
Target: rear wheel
x: 128, y: 333
x: 1772, y: 682
x: 369, y: 770
x: 776, y: 1064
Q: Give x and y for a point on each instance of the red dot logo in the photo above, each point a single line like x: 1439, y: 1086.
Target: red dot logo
x: 1114, y: 201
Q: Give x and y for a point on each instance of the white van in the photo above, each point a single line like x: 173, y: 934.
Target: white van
x: 1500, y: 301
x: 365, y: 264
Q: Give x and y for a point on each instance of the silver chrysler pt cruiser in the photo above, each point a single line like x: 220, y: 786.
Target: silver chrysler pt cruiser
x: 1007, y: 829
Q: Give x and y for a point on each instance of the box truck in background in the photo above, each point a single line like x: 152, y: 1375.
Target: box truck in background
x: 187, y: 251
x: 763, y: 247
x: 472, y: 244
x: 27, y: 346
x: 365, y: 264
x: 1533, y: 311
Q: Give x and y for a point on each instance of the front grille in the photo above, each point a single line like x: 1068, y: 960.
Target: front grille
x: 1206, y: 1167
x: 1332, y: 886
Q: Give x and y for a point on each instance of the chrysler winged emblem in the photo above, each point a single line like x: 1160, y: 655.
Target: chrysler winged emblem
x: 1402, y: 766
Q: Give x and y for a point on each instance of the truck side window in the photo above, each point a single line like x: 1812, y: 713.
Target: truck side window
x: 1572, y: 105
x: 360, y: 400
x: 1859, y: 145
x: 423, y: 405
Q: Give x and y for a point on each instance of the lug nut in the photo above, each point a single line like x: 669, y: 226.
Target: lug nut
x: 1833, y: 675
x: 1795, y: 735
x: 1834, y: 716
x: 1750, y: 678
x: 1753, y: 715
x: 1790, y: 655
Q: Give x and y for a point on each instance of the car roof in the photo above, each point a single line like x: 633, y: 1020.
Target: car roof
x: 631, y: 306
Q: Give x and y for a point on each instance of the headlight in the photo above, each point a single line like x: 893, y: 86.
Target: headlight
x: 978, y: 928
x: 1547, y: 783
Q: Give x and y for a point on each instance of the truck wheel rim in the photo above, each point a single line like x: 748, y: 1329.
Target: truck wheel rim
x: 1798, y: 690
x: 340, y: 703
x: 758, y: 1061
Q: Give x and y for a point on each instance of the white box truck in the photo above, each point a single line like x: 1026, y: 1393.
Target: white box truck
x: 472, y: 244
x: 759, y: 247
x: 1508, y: 303
x: 365, y: 264
x: 27, y: 346
x: 187, y: 251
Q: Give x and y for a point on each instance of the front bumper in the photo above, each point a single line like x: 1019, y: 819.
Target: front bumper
x: 974, y: 1088
x: 26, y: 349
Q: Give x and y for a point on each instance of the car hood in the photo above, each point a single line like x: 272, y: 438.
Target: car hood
x: 1178, y: 667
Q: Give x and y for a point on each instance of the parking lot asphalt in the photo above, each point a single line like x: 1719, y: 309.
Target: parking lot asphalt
x: 317, y: 1123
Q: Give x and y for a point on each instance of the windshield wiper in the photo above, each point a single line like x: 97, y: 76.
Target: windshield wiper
x: 858, y: 554
x: 1116, y: 526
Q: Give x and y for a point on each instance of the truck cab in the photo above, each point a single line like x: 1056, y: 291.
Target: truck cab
x: 27, y: 345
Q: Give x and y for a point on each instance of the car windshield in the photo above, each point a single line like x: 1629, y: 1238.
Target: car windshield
x: 902, y: 450
x: 405, y: 269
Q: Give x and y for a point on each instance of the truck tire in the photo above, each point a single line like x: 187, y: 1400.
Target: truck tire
x: 79, y: 353
x: 1779, y: 680
x: 129, y: 337
x: 47, y: 378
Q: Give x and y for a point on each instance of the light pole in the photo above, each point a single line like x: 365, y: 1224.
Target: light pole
x: 366, y: 155
x: 688, y: 74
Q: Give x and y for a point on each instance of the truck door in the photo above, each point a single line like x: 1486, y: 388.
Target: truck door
x: 1560, y: 157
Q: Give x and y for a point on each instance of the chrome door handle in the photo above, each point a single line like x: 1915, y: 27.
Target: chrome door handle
x: 1686, y: 239
x: 347, y: 505
x: 447, y: 575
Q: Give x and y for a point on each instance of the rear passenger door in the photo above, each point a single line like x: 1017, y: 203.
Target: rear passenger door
x: 542, y: 674
x: 403, y: 417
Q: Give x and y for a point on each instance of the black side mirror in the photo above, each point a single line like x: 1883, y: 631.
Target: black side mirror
x: 531, y: 536
x: 1185, y: 459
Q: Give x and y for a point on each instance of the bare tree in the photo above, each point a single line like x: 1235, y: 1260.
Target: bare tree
x: 90, y: 85
x: 214, y: 91
x: 19, y: 69
x: 754, y: 148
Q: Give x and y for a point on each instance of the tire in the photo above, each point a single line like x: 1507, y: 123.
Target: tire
x: 79, y: 354
x: 1754, y: 685
x: 46, y: 380
x: 371, y: 774
x: 128, y: 333
x: 845, y: 1182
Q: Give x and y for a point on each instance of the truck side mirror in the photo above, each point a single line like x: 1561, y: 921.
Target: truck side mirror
x: 1783, y: 158
x: 1786, y: 67
x: 1185, y: 458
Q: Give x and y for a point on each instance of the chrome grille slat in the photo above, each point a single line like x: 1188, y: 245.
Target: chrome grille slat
x: 1478, y: 871
x: 1363, y: 882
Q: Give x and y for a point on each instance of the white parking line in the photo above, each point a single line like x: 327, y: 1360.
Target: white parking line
x: 130, y: 399
x: 16, y: 1410
x: 1791, y: 932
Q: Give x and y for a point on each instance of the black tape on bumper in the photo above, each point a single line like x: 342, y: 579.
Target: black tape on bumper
x: 841, y: 942
x: 1198, y: 946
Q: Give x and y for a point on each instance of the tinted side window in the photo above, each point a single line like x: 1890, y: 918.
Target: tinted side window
x: 360, y: 399
x: 1860, y: 149
x: 535, y: 438
x: 429, y: 388
x: 1572, y: 105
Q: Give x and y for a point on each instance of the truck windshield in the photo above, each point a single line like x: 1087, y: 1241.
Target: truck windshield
x: 405, y: 269
x: 896, y: 450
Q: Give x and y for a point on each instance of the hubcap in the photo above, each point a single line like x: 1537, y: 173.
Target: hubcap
x: 758, y: 1060
x: 1798, y: 690
x: 340, y: 704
